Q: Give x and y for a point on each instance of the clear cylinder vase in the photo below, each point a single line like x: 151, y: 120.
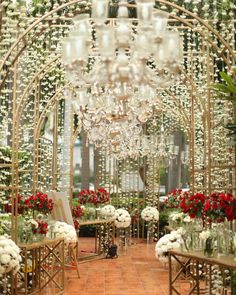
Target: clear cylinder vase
x: 223, y: 240
x: 150, y: 232
x: 208, y: 247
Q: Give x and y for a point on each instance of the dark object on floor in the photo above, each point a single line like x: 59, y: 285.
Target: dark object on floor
x: 112, y: 251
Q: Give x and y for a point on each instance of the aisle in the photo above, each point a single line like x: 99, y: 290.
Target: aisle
x: 136, y: 272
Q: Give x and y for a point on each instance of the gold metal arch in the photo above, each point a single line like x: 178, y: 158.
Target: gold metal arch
x: 173, y: 5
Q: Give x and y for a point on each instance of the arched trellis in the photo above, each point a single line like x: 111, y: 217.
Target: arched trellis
x: 38, y: 76
x: 12, y: 64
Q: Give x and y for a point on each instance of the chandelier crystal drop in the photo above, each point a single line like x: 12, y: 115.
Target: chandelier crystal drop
x: 136, y: 145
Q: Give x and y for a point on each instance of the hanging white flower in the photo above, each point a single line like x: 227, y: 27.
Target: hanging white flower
x: 63, y: 230
x: 108, y: 211
x: 166, y: 243
x: 123, y: 218
x: 9, y: 256
x: 150, y: 213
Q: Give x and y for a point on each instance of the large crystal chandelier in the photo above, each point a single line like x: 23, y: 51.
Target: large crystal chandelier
x: 116, y: 64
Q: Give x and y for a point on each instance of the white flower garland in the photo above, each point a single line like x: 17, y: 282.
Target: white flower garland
x: 63, y: 230
x: 123, y: 218
x: 108, y: 211
x: 9, y: 256
x: 150, y: 213
x: 166, y: 243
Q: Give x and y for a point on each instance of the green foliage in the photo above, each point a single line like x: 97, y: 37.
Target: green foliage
x: 163, y: 219
x: 227, y: 89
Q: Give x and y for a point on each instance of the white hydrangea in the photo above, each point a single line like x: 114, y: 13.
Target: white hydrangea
x: 166, y: 243
x: 9, y: 256
x: 123, y: 218
x: 108, y: 211
x: 150, y: 213
x: 63, y: 230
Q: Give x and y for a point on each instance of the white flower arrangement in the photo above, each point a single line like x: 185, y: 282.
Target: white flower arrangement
x: 206, y: 234
x: 177, y: 216
x: 166, y: 243
x: 34, y: 223
x: 9, y: 256
x: 108, y: 211
x: 181, y: 231
x: 123, y: 218
x: 63, y: 230
x: 150, y: 214
x: 187, y: 219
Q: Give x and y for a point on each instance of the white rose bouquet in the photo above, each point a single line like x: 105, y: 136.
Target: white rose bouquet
x: 108, y: 211
x: 63, y: 230
x: 9, y: 256
x: 123, y: 218
x: 150, y: 214
x: 166, y: 243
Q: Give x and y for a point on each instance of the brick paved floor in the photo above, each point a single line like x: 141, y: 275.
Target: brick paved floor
x: 135, y: 272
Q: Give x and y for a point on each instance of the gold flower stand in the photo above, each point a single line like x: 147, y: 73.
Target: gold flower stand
x: 43, y: 265
x: 103, y: 227
x: 198, y: 285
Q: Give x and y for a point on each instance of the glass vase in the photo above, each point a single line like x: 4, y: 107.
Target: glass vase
x: 208, y: 247
x: 223, y: 240
x: 38, y: 238
x: 150, y: 232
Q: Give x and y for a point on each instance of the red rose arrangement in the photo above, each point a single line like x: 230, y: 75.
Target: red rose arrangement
x: 100, y: 196
x: 41, y: 229
x: 174, y: 198
x: 39, y: 202
x: 220, y: 206
x: 77, y: 211
x: 21, y: 208
x: 193, y: 204
x: 87, y: 196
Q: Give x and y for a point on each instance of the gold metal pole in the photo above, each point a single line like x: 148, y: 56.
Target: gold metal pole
x: 55, y: 146
x: 36, y: 139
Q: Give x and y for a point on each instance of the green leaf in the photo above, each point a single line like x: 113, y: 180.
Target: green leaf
x: 232, y: 88
x: 228, y: 79
x: 221, y: 87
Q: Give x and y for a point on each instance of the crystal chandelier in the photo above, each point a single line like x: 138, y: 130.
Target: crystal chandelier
x: 115, y: 133
x: 119, y: 63
x: 137, y: 145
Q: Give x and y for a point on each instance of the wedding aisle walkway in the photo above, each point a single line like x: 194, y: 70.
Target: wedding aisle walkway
x: 134, y: 272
